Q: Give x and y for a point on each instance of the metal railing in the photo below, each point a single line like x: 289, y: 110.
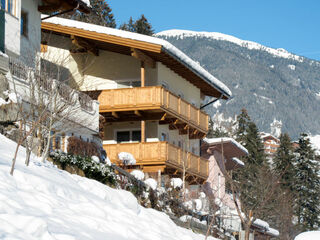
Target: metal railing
x: 21, y: 71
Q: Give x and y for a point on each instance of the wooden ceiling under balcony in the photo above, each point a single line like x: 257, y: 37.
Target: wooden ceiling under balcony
x: 123, y: 45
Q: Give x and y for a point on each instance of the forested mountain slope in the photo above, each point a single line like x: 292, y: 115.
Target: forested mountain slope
x: 269, y: 83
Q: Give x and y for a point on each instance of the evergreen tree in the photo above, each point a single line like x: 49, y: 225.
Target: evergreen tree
x: 283, y: 161
x: 128, y: 26
x: 216, y: 132
x: 243, y: 120
x: 139, y: 26
x: 143, y: 26
x: 254, y: 145
x: 307, y: 186
x: 283, y: 166
x: 101, y: 14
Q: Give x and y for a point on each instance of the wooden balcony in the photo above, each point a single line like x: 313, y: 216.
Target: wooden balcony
x: 152, y: 103
x: 161, y: 155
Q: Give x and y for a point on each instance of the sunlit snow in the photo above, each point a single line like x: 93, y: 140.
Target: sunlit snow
x: 181, y: 34
x: 41, y: 202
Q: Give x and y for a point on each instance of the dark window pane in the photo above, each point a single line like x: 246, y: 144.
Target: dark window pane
x: 123, y: 136
x: 136, y: 84
x: 3, y: 4
x: 24, y: 24
x: 136, y: 136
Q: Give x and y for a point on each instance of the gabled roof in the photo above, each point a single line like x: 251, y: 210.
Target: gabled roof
x: 160, y: 50
x: 231, y: 151
x: 231, y: 147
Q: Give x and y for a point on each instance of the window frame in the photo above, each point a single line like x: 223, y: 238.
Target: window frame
x: 9, y: 6
x: 131, y: 130
x: 24, y: 23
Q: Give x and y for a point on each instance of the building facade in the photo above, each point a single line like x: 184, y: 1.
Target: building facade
x: 149, y: 92
x: 21, y: 64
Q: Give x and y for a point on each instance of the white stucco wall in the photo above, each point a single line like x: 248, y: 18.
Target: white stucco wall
x: 30, y: 45
x: 178, y: 85
x: 12, y: 33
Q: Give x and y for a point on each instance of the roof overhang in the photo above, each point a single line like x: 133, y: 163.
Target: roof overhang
x: 157, y: 52
x: 229, y: 147
x: 62, y: 5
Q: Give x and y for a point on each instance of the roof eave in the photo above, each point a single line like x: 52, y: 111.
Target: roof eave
x: 224, y: 95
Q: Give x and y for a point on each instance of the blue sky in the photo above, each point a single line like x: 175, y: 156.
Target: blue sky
x: 290, y: 24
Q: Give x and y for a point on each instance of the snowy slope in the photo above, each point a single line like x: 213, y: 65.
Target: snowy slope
x: 43, y: 202
x: 312, y: 235
x: 220, y: 36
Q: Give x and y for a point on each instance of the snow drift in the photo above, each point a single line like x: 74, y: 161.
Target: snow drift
x: 43, y: 202
x: 312, y: 235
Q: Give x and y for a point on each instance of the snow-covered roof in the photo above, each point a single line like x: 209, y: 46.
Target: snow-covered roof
x: 265, y: 226
x: 225, y: 140
x: 165, y: 47
x: 86, y: 2
x: 238, y: 161
x: 273, y: 232
x: 280, y: 52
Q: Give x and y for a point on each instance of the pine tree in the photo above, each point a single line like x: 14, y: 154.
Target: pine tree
x: 283, y: 166
x: 243, y: 120
x: 216, y: 132
x: 141, y: 26
x: 283, y: 161
x: 254, y: 145
x: 128, y: 26
x: 101, y: 14
x: 307, y: 186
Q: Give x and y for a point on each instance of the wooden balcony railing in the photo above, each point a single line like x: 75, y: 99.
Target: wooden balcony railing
x: 148, y: 98
x: 159, y: 153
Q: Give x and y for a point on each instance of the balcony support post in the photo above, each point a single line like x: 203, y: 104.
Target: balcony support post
x: 143, y: 122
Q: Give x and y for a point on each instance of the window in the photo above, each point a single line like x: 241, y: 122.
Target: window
x: 164, y: 137
x: 24, y: 23
x: 10, y: 6
x: 3, y: 4
x: 129, y: 136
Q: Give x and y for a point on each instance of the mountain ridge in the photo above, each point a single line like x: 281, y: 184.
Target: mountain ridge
x: 279, y: 52
x: 269, y: 83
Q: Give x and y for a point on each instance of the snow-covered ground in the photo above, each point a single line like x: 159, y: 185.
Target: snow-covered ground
x: 312, y: 235
x: 44, y: 203
x: 315, y: 141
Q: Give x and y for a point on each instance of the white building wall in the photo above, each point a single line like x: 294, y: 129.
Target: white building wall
x: 29, y: 46
x: 12, y: 34
x: 178, y: 85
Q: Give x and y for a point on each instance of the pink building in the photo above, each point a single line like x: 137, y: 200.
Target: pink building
x: 223, y: 154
